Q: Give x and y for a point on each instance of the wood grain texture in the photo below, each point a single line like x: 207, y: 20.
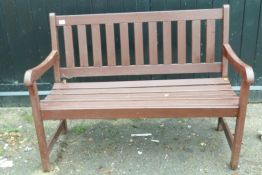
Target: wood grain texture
x: 167, y: 42
x: 141, y: 70
x: 153, y: 49
x: 196, y: 41
x: 82, y: 44
x: 181, y: 42
x: 69, y: 47
x: 110, y: 44
x: 139, y: 17
x: 210, y: 41
x: 225, y: 38
x: 124, y: 42
x: 139, y: 46
x: 96, y: 44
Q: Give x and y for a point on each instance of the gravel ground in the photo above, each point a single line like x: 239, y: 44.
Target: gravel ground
x: 186, y: 146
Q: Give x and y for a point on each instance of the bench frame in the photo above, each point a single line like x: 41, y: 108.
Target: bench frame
x: 53, y: 61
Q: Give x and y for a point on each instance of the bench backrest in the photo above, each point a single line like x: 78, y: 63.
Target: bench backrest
x: 136, y: 20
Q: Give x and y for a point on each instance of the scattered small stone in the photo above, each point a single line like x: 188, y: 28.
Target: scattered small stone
x: 90, y: 139
x: 131, y: 140
x: 166, y: 156
x: 203, y: 144
x: 161, y: 125
x: 141, y: 135
x: 27, y: 149
x: 139, y: 152
x: 6, y: 146
x: 153, y: 140
x: 189, y: 126
x: 4, y: 163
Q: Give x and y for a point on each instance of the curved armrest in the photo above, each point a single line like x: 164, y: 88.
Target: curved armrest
x: 245, y: 71
x: 35, y: 73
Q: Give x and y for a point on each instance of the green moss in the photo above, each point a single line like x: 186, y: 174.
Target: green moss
x: 79, y: 129
x: 27, y: 117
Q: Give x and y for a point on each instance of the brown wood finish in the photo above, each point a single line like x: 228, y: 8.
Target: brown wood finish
x: 82, y: 44
x: 55, y: 45
x: 110, y: 44
x: 225, y: 38
x: 141, y: 69
x: 124, y: 41
x: 209, y: 97
x: 139, y: 17
x: 69, y: 48
x: 196, y: 41
x: 96, y: 40
x: 153, y: 54
x: 139, y: 47
x: 167, y: 42
x: 210, y: 41
x: 181, y: 41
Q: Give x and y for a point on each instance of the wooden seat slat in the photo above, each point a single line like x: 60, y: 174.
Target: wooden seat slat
x: 198, y: 88
x: 145, y: 83
x: 139, y: 103
x: 212, y: 94
x: 82, y: 113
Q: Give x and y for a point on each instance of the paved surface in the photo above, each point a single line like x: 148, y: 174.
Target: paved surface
x: 186, y: 146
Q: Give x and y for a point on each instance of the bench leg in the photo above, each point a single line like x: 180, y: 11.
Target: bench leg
x: 219, y: 124
x: 236, y: 147
x: 44, y: 154
x: 240, y: 122
x: 39, y: 127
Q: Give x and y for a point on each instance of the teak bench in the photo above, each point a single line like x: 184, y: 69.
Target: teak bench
x: 199, y: 97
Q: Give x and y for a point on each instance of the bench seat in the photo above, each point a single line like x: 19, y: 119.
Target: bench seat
x: 148, y: 98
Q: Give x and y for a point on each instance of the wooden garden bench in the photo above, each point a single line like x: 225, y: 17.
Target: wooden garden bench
x: 199, y: 97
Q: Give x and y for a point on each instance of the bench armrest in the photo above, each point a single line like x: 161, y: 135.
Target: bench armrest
x: 246, y: 72
x: 35, y: 73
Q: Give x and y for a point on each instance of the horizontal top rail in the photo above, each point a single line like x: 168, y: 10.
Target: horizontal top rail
x: 201, y: 14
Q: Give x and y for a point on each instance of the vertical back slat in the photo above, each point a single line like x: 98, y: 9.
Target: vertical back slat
x: 181, y: 41
x: 124, y: 41
x: 210, y: 41
x: 69, y: 48
x: 96, y: 44
x: 196, y: 41
x: 139, y: 49
x: 167, y: 46
x: 82, y: 43
x: 153, y: 54
x: 110, y: 44
x: 225, y: 38
x: 55, y: 45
